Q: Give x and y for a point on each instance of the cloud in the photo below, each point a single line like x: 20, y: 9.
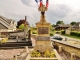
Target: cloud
x: 57, y: 12
x: 26, y: 2
x: 17, y: 9
x: 30, y: 3
x: 72, y: 16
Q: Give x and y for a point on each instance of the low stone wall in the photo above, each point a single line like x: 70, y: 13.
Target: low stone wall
x: 67, y: 47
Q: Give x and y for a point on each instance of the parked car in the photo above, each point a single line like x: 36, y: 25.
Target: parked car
x: 57, y: 38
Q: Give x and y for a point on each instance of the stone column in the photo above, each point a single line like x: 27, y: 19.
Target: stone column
x: 60, y: 48
x: 72, y: 56
x: 26, y: 49
x: 29, y: 35
x: 17, y: 37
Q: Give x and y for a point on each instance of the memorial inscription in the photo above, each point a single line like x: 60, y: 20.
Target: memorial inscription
x: 42, y: 30
x: 43, y: 38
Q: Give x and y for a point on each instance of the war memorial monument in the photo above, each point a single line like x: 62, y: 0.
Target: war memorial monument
x: 43, y: 50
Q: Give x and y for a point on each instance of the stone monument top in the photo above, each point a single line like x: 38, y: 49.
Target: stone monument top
x: 42, y: 9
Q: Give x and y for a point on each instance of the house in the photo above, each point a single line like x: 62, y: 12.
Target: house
x: 76, y: 26
x: 62, y: 26
x: 7, y: 25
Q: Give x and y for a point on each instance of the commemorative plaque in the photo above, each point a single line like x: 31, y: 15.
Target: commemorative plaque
x: 42, y: 30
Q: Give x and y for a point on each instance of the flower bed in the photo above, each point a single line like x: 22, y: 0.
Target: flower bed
x: 46, y: 54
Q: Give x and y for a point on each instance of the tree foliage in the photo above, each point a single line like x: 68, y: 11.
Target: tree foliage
x: 51, y: 28
x: 72, y: 23
x: 22, y: 27
x: 59, y: 22
x: 21, y: 22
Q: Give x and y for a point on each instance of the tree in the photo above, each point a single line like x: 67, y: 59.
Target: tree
x: 22, y: 27
x: 72, y: 23
x: 53, y: 25
x: 59, y: 22
x: 51, y: 28
x: 21, y: 22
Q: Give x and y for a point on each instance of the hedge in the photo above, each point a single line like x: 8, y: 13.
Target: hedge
x: 34, y: 32
x: 62, y: 32
x: 75, y: 34
x: 51, y: 34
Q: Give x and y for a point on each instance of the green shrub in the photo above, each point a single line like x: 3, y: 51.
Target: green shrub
x: 62, y: 32
x: 34, y: 32
x: 58, y: 32
x: 78, y: 34
x: 51, y: 34
x: 73, y: 33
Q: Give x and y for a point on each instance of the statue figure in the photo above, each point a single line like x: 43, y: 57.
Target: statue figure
x: 42, y: 9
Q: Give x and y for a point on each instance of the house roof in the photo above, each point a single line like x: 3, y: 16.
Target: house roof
x: 77, y: 24
x: 2, y: 26
x: 5, y: 22
x: 6, y: 19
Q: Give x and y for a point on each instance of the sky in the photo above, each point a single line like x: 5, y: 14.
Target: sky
x: 64, y: 10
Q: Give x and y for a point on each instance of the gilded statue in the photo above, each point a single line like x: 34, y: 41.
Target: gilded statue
x: 42, y: 9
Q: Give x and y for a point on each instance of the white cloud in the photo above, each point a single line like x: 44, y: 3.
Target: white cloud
x: 75, y: 4
x: 66, y: 10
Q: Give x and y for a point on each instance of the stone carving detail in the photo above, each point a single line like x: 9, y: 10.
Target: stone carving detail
x: 42, y: 9
x: 42, y: 30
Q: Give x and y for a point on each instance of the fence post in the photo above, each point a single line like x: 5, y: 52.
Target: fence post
x: 60, y: 48
x: 26, y: 49
x: 65, y: 39
x: 72, y: 56
x: 29, y: 35
x: 14, y: 57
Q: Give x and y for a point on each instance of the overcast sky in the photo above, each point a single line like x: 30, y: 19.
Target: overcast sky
x: 65, y: 10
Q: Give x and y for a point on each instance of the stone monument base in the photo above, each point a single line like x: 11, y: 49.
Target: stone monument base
x: 39, y: 42
x: 43, y: 48
x: 43, y: 40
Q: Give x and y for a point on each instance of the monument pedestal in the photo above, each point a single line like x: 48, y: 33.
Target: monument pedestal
x: 43, y: 40
x: 43, y: 33
x: 43, y: 49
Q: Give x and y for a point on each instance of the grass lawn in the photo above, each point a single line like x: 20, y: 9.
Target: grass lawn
x: 71, y: 36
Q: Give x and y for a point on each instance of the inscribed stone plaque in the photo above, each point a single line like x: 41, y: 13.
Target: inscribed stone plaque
x: 43, y: 38
x: 42, y: 30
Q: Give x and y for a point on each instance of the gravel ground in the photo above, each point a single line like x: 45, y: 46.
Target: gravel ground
x: 8, y: 54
